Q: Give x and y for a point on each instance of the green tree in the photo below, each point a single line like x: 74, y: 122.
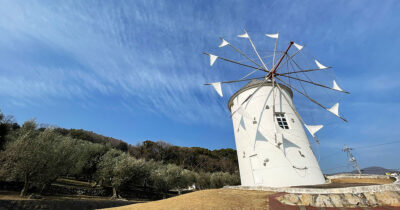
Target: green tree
x: 220, y: 179
x: 168, y: 177
x: 123, y: 146
x: 188, y: 179
x: 87, y: 158
x: 203, y: 180
x: 117, y: 168
x: 59, y: 158
x: 37, y: 158
x: 7, y: 125
x: 21, y: 161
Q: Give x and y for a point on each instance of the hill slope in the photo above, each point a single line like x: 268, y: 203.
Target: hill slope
x: 375, y: 170
x: 193, y: 158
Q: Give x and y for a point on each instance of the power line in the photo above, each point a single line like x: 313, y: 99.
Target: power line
x: 330, y: 155
x: 378, y: 169
x: 377, y: 145
x: 342, y: 166
x: 363, y: 147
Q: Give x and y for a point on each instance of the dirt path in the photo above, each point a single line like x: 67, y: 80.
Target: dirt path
x: 209, y: 199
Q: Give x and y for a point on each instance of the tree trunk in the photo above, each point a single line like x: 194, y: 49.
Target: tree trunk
x: 24, y: 191
x: 44, y: 187
x: 100, y: 183
x: 115, y: 193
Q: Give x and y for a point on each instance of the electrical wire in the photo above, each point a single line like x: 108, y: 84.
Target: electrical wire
x: 363, y: 147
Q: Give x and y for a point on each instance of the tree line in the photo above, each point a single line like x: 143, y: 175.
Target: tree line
x: 38, y: 156
x: 192, y: 158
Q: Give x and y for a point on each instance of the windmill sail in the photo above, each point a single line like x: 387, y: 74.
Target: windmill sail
x: 245, y: 35
x: 217, y: 87
x: 336, y: 86
x: 223, y: 43
x: 320, y: 66
x: 299, y: 47
x: 335, y: 109
x: 213, y: 58
x: 274, y: 36
x: 313, y: 128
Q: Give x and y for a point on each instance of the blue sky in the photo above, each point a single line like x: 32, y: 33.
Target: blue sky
x: 134, y: 70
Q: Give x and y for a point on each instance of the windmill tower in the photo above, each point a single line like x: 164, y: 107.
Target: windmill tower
x: 272, y: 145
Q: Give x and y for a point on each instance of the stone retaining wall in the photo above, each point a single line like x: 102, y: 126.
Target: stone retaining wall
x: 368, y: 199
x: 358, y: 189
x: 351, y: 197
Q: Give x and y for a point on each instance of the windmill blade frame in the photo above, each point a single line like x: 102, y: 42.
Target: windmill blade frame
x: 309, y: 98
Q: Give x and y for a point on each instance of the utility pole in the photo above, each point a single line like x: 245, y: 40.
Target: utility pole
x: 352, y: 159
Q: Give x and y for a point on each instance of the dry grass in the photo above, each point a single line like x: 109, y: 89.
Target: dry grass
x: 363, y: 180
x: 209, y: 199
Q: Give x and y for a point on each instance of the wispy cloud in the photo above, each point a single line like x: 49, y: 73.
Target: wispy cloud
x: 76, y: 51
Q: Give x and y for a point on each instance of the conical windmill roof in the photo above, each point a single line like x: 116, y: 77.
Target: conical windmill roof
x: 254, y: 83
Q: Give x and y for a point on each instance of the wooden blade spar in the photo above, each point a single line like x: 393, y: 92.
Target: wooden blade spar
x: 310, y: 82
x: 272, y: 73
x: 308, y: 97
x: 243, y: 54
x: 236, y: 62
x: 240, y: 80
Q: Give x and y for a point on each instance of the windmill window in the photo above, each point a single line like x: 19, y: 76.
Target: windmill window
x: 280, y: 118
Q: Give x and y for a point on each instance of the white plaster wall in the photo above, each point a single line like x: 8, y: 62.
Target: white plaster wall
x: 253, y: 149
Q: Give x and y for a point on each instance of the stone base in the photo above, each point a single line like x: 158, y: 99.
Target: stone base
x: 347, y: 200
x: 373, y: 195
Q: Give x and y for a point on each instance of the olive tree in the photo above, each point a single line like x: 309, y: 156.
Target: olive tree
x: 35, y: 157
x: 117, y: 168
x: 188, y: 178
x: 170, y: 176
x: 59, y: 160
x: 220, y: 179
x: 21, y: 155
x: 87, y: 157
x: 203, y: 180
x: 129, y: 170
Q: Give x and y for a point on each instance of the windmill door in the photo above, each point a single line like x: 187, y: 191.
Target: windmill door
x: 256, y: 169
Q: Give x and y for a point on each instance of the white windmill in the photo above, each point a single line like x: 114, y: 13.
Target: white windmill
x: 272, y: 145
